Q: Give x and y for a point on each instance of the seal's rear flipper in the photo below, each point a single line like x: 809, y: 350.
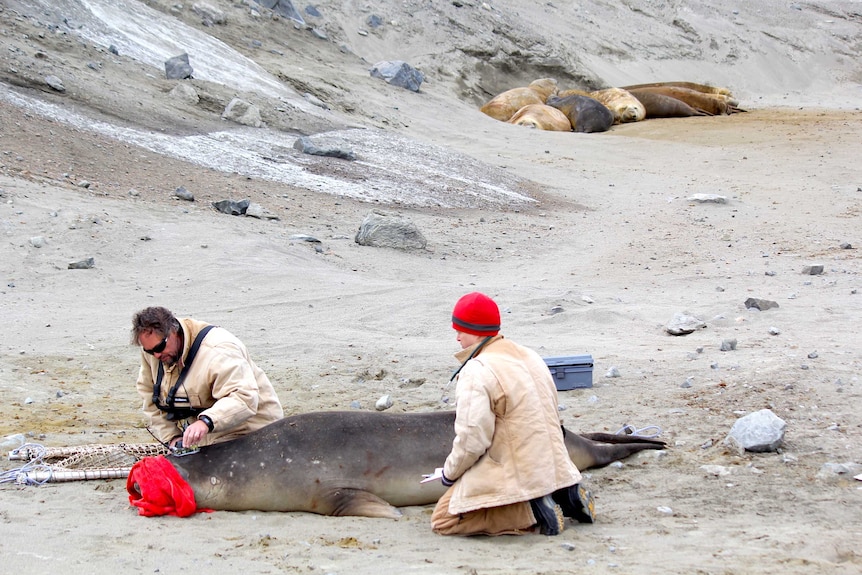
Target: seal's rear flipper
x: 342, y: 502
x: 594, y: 450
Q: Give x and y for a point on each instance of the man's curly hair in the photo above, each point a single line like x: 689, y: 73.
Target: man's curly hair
x: 153, y: 319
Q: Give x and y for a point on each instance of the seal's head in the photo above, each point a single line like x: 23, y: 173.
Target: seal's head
x: 476, y: 314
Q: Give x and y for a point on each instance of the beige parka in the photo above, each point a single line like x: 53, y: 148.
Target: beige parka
x: 508, y: 445
x: 222, y: 380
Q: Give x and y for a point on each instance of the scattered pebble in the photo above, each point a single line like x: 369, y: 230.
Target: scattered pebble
x: 383, y: 403
x: 83, y: 264
x: 728, y: 345
x: 184, y: 194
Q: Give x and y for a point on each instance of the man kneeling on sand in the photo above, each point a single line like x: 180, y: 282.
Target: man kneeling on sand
x: 508, y: 471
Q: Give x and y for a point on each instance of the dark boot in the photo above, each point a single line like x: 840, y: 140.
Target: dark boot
x: 548, y: 514
x: 577, y: 503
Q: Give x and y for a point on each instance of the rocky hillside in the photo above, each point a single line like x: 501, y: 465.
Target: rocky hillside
x: 770, y: 52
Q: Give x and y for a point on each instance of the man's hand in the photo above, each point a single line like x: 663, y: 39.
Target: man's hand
x: 438, y: 474
x: 194, y: 433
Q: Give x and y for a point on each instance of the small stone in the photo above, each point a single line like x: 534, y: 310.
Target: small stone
x: 774, y: 331
x: 708, y: 199
x: 83, y: 264
x: 184, y: 194
x: 717, y: 470
x: 813, y: 355
x: 383, y: 403
x: 37, y: 242
x: 55, y: 83
x: 613, y: 372
x: 305, y: 238
x: 761, y: 304
x: 814, y: 270
x: 728, y: 345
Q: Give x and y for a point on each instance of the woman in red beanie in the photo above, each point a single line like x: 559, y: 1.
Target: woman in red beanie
x: 508, y: 471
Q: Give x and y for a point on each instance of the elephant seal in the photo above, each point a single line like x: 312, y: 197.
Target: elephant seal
x: 624, y: 106
x: 503, y: 106
x: 543, y: 117
x: 705, y: 88
x: 571, y: 92
x: 584, y: 113
x: 661, y: 106
x: 714, y: 104
x: 346, y: 463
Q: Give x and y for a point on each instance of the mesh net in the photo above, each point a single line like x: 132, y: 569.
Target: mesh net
x: 96, y: 461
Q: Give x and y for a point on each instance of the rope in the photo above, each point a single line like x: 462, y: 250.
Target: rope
x: 627, y: 429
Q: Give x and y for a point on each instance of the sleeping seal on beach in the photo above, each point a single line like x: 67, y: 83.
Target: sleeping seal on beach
x: 585, y: 114
x: 347, y: 463
x: 504, y: 105
x: 624, y: 106
x: 711, y: 103
x: 541, y: 117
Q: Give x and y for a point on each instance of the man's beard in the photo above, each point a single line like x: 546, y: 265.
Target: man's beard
x: 169, y: 361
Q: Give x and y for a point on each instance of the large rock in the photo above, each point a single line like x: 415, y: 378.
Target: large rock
x: 683, y: 324
x: 178, y: 68
x: 759, y: 431
x: 385, y: 230
x: 282, y: 8
x: 399, y: 73
x: 243, y: 112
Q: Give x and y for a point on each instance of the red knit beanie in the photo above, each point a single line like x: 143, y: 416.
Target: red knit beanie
x: 477, y: 314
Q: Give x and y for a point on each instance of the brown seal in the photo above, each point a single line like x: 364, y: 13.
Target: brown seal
x: 624, y: 106
x: 503, y: 106
x: 542, y: 117
x: 349, y: 463
x: 661, y: 106
x: 584, y: 113
x: 571, y: 92
x: 705, y: 88
x: 715, y: 104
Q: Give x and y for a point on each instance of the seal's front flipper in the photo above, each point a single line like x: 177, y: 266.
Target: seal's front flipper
x: 343, y: 502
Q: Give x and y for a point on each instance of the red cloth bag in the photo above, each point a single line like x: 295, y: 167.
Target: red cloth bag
x: 156, y: 488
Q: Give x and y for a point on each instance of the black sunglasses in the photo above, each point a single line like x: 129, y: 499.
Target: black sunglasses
x: 159, y: 347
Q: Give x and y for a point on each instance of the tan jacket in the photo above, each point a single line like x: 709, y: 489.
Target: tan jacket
x: 508, y: 443
x: 222, y: 380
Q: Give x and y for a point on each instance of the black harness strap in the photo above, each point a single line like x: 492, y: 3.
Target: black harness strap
x: 172, y: 393
x: 475, y: 351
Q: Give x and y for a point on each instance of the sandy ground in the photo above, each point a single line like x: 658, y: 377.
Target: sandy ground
x: 611, y: 248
